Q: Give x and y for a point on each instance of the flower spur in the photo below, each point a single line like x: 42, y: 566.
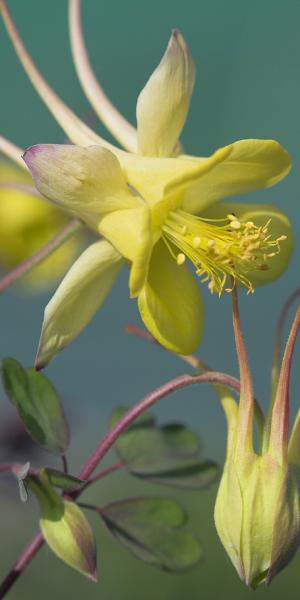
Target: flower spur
x: 153, y: 205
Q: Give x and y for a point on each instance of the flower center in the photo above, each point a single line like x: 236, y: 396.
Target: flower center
x: 220, y: 249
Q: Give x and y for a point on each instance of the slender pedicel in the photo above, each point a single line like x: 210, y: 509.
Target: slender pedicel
x: 120, y: 128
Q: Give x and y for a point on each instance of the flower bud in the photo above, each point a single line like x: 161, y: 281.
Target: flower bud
x: 64, y: 527
x: 257, y: 512
x: 257, y: 515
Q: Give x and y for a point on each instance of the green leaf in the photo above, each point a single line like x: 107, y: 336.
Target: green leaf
x: 38, y: 405
x: 169, y: 454
x: 64, y: 527
x: 64, y: 481
x: 152, y: 530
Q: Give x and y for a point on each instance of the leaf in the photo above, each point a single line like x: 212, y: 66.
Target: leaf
x: 38, y: 405
x: 64, y: 481
x: 152, y: 530
x: 64, y: 527
x: 169, y: 454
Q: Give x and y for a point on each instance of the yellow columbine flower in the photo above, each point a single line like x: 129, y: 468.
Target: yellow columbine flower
x: 257, y: 512
x: 28, y: 222
x: 153, y: 206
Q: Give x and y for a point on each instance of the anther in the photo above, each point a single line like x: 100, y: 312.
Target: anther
x: 180, y: 258
x: 235, y: 224
x: 196, y: 241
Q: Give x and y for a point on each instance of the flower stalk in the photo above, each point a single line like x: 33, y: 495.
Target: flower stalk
x: 104, y: 446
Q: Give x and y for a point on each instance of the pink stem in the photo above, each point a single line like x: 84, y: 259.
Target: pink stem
x: 165, y: 390
x: 106, y: 444
x: 103, y: 473
x: 246, y: 406
x: 34, y: 260
x: 281, y: 322
x: 190, y: 359
x: 280, y: 413
x: 26, y: 557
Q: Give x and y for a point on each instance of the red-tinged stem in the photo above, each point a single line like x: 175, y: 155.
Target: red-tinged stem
x: 15, y: 468
x: 37, y: 258
x: 201, y: 367
x: 165, y: 390
x: 190, y: 359
x: 104, y: 446
x: 8, y: 467
x: 246, y: 406
x: 101, y: 474
x: 280, y: 326
x: 280, y: 414
x: 65, y: 464
x: 25, y: 559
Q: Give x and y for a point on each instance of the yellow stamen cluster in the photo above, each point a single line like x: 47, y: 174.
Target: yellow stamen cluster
x: 220, y: 249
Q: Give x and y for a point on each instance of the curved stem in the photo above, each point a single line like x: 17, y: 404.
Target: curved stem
x: 101, y: 474
x: 279, y: 335
x: 37, y: 258
x: 197, y: 364
x: 279, y: 427
x: 26, y: 557
x: 119, y: 127
x: 104, y: 446
x: 165, y: 390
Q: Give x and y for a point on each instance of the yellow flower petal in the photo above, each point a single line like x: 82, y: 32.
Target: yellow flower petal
x: 130, y: 232
x: 260, y: 214
x: 75, y: 302
x: 158, y: 178
x: 163, y: 104
x: 170, y: 303
x: 87, y: 182
x: 250, y: 165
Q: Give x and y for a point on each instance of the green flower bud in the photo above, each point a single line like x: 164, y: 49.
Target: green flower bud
x: 64, y: 527
x: 257, y: 515
x: 257, y: 512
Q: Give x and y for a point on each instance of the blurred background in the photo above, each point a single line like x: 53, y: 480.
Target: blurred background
x: 248, y: 85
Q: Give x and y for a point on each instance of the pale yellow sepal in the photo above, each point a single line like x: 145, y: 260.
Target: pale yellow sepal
x: 76, y: 300
x: 170, y: 303
x: 257, y: 515
x: 163, y: 104
x: 250, y: 165
x: 87, y: 182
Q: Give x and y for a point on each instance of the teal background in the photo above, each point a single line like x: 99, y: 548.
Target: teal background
x: 248, y: 60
